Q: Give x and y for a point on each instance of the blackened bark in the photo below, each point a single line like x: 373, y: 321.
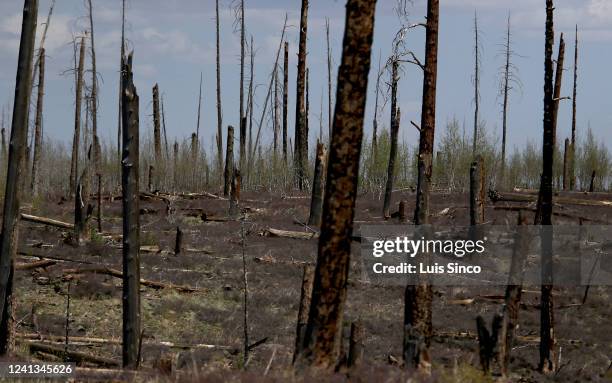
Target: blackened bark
x: 356, y: 344
x: 592, y: 184
x: 131, y: 220
x: 418, y: 298
x: 156, y: 126
x: 395, y: 116
x: 572, y: 175
x: 17, y: 147
x: 74, y: 163
x: 318, y: 188
x: 229, y: 161
x: 234, y: 201
x: 82, y: 208
x: 178, y: 243
x: 477, y: 191
x: 301, y: 133
x: 476, y: 84
x: 175, y: 170
x: 96, y: 149
x: 329, y: 292
x: 99, y: 210
x: 242, y: 125
x: 547, y: 336
x: 557, y: 90
x: 566, y: 165
x: 219, y: 110
x: 35, y: 185
x: 304, y: 308
x: 285, y: 99
x: 506, y: 85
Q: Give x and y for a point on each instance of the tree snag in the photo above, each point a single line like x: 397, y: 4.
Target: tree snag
x: 74, y: 163
x: 285, y: 99
x: 17, y: 148
x: 301, y: 129
x: 321, y: 343
x: 418, y: 297
x: 219, y: 110
x: 304, y: 308
x: 572, y: 175
x: 557, y: 91
x: 131, y: 220
x: 35, y: 184
x: 156, y: 127
x: 318, y: 185
x: 395, y: 117
x: 229, y: 161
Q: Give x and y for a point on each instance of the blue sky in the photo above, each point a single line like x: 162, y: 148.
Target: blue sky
x: 174, y: 41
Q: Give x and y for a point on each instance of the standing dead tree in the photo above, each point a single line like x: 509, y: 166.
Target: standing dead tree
x: 509, y: 80
x: 547, y: 335
x: 120, y: 98
x: 566, y: 159
x: 219, y: 109
x: 572, y: 170
x: 318, y: 183
x: 131, y: 220
x: 329, y: 79
x: 322, y: 340
x: 157, y: 132
x: 250, y: 97
x: 242, y: 119
x: 303, y: 309
x: 74, y: 163
x: 301, y: 128
x: 35, y: 182
x: 196, y: 148
x: 375, y: 121
x: 96, y: 148
x: 394, y: 135
x: 557, y: 89
x: 418, y: 329
x: 477, y: 196
x: 82, y: 207
x: 476, y: 80
x: 17, y: 148
x: 285, y: 100
x: 229, y: 161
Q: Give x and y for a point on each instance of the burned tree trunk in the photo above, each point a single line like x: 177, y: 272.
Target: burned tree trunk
x: 96, y: 149
x: 476, y: 84
x: 566, y: 166
x: 120, y: 98
x: 74, y: 163
x: 592, y: 184
x: 395, y: 116
x: 242, y: 125
x: 17, y: 147
x: 418, y: 297
x: 219, y: 110
x: 477, y: 195
x: 82, y: 207
x: 557, y: 91
x: 321, y: 342
x: 572, y: 171
x: 329, y: 80
x: 229, y: 161
x: 35, y: 185
x: 178, y: 243
x: 318, y: 183
x: 304, y: 308
x: 234, y: 201
x: 131, y: 221
x: 301, y: 133
x: 285, y: 99
x: 156, y: 127
x: 99, y: 210
x: 506, y: 90
x: 547, y: 335
x: 375, y: 122
x: 356, y: 344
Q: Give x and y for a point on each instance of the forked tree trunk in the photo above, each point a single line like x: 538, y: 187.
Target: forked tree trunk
x: 301, y: 132
x: 395, y: 116
x: 229, y: 161
x: 321, y: 343
x: 318, y: 189
x: 17, y: 147
x: 547, y: 335
x: 74, y: 163
x: 418, y: 328
x: 35, y: 185
x: 572, y: 172
x: 285, y: 100
x: 131, y: 220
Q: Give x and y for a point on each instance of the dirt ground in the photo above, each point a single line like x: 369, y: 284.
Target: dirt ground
x: 212, y: 263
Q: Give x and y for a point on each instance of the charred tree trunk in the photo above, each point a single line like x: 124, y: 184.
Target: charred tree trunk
x: 241, y: 121
x: 131, y: 221
x: 307, y: 117
x: 276, y: 122
x: 321, y: 343
x: 418, y: 298
x: 395, y: 116
x: 304, y: 308
x: 197, y: 133
x: 506, y: 91
x: 175, y: 170
x: 356, y: 344
x: 234, y: 201
x: 375, y: 122
x: 229, y: 161
x: 82, y: 208
x: 99, y: 210
x: 156, y: 127
x: 547, y: 335
x: 329, y: 80
x: 74, y: 163
x: 301, y: 132
x: 285, y: 100
x: 17, y: 147
x: 566, y: 165
x: 476, y: 84
x: 219, y: 110
x: 178, y: 244
x: 557, y: 91
x: 318, y: 183
x: 250, y: 105
x: 592, y: 184
x: 572, y: 172
x: 477, y: 196
x: 120, y: 98
x: 163, y: 119
x: 96, y: 149
x: 35, y: 185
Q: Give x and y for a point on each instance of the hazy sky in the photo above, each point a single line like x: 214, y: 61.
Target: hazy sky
x: 174, y: 41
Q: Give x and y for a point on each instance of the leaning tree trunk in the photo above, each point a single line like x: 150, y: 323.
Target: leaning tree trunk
x: 131, y: 220
x: 418, y: 297
x: 74, y: 163
x: 35, y: 185
x: 17, y: 147
x: 229, y: 161
x: 321, y: 341
x: 572, y: 171
x: 394, y: 133
x: 285, y: 99
x: 316, y: 202
x: 557, y: 90
x: 301, y: 132
x: 547, y: 336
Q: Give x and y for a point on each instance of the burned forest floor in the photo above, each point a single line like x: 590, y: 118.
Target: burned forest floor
x: 192, y: 311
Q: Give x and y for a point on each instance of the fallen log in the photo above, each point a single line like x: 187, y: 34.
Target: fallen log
x: 497, y: 196
x: 118, y: 274
x: 60, y: 259
x: 78, y: 357
x: 34, y: 265
x: 270, y: 232
x: 47, y: 221
x: 271, y: 260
